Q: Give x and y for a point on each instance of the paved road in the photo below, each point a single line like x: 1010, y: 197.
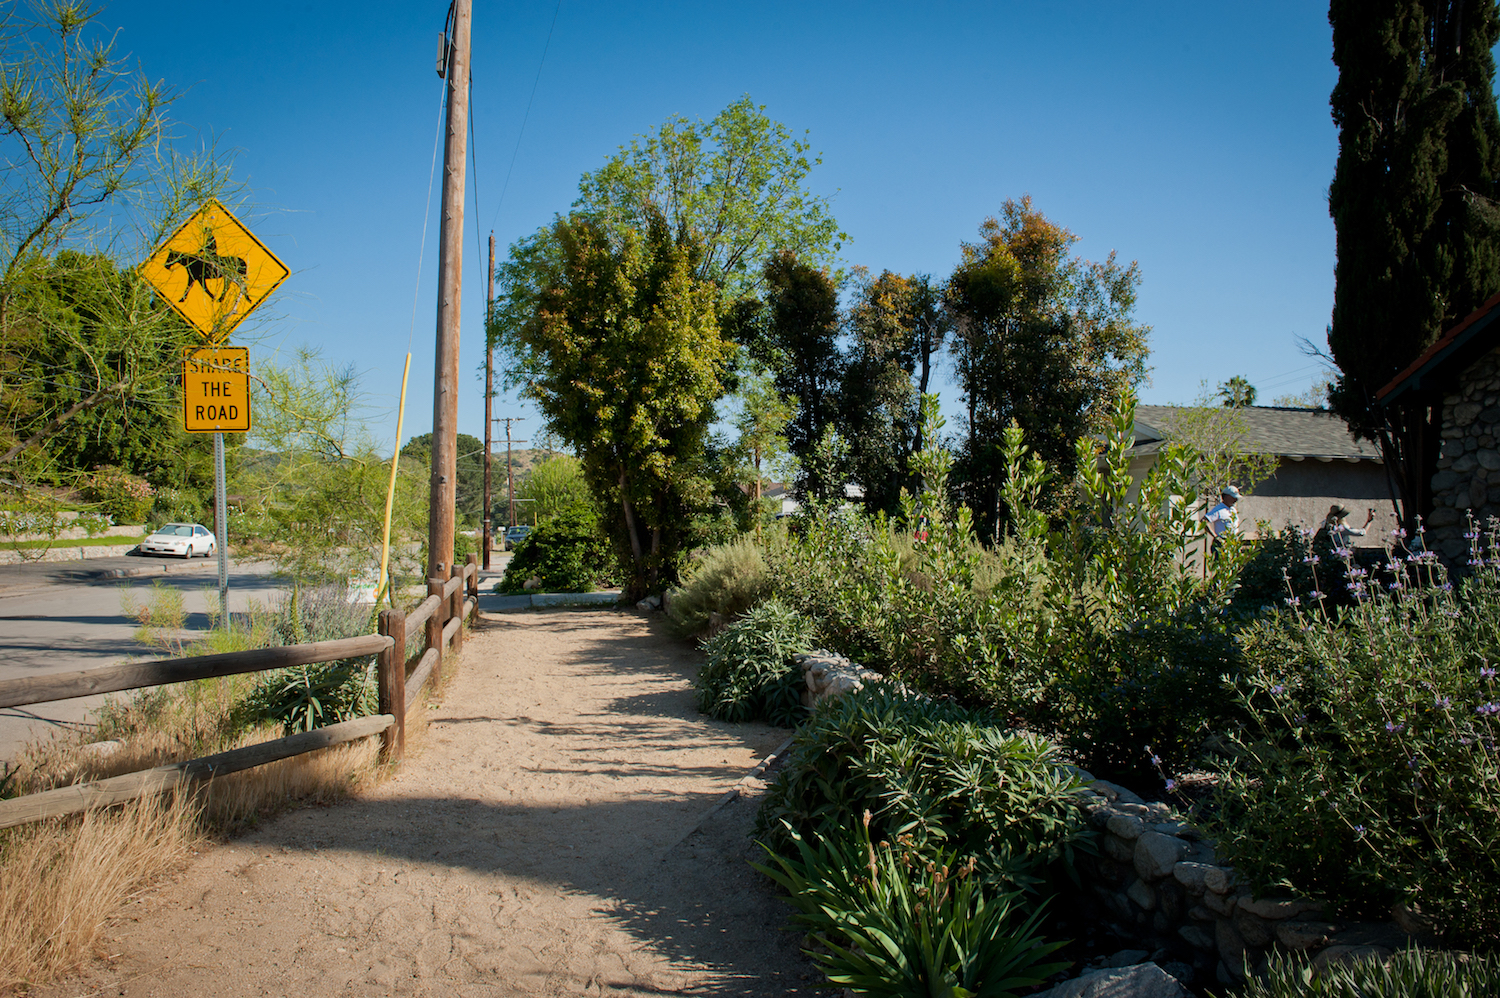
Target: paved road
x: 63, y: 616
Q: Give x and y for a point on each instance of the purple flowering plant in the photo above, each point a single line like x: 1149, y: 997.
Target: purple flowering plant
x: 1369, y: 773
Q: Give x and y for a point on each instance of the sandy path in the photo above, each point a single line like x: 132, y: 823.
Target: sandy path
x: 532, y: 846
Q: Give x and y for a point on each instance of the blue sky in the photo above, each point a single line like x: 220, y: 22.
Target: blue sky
x: 1194, y: 138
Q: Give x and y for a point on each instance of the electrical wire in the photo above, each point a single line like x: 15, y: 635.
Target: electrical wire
x: 426, y: 215
x: 474, y: 170
x: 525, y: 117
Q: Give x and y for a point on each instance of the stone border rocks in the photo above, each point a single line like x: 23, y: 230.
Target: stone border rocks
x: 1157, y: 882
x: 827, y: 674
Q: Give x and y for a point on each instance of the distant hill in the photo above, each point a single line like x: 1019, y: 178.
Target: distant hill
x: 521, y: 461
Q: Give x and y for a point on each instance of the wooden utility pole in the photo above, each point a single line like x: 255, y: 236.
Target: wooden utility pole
x: 450, y: 288
x: 489, y: 391
x: 510, y: 484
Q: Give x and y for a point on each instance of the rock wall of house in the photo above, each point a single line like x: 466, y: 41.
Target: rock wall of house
x: 1468, y: 475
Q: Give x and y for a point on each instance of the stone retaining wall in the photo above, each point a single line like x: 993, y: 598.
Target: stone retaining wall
x: 1157, y: 884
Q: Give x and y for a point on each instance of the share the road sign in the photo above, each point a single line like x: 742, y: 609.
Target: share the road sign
x: 213, y: 271
x: 216, y: 389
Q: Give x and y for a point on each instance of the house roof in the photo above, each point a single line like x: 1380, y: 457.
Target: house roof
x: 1297, y: 434
x: 1455, y: 350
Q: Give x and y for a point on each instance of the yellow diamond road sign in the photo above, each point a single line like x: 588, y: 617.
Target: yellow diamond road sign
x: 216, y: 389
x: 213, y: 271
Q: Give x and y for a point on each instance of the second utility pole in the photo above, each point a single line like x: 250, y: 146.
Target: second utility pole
x: 489, y: 393
x: 450, y: 287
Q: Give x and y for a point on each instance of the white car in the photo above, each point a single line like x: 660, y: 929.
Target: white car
x: 181, y: 540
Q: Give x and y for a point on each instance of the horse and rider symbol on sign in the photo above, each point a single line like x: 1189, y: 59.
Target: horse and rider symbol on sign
x: 209, y: 256
x: 207, y: 263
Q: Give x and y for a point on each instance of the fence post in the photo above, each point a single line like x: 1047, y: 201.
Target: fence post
x: 435, y: 627
x: 391, y: 670
x: 457, y: 608
x: 473, y: 585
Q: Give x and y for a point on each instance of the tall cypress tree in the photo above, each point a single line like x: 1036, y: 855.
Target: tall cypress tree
x: 1413, y: 201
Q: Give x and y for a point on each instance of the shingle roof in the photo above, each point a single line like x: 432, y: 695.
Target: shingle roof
x: 1294, y: 433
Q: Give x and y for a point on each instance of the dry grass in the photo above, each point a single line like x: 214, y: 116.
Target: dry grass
x: 61, y: 880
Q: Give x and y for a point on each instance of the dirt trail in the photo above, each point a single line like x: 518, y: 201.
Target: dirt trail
x: 534, y: 845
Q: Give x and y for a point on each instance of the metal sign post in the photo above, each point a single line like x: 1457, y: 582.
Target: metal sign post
x: 221, y: 528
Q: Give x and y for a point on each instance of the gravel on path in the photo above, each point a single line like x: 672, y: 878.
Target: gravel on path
x: 534, y: 845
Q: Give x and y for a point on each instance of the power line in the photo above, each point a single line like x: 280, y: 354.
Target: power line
x: 426, y: 214
x: 525, y: 117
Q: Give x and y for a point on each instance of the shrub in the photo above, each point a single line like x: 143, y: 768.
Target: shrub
x: 1367, y: 770
x: 1277, y: 569
x: 897, y: 922
x: 750, y: 673
x: 945, y: 776
x: 93, y: 524
x: 312, y: 696
x: 1412, y: 973
x: 175, y: 506
x: 120, y: 495
x: 567, y: 552
x: 727, y: 579
x: 1162, y: 688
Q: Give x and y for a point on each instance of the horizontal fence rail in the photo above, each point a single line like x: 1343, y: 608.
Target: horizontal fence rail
x: 441, y: 618
x: 137, y: 675
x: 119, y: 789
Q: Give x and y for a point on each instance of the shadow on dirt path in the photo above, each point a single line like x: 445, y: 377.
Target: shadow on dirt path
x: 533, y: 845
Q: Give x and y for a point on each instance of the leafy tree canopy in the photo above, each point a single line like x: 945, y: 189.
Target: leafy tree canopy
x: 733, y: 188
x: 85, y: 143
x: 554, y: 485
x: 734, y: 185
x: 896, y: 325
x: 1042, y: 338
x: 611, y: 317
x: 626, y: 361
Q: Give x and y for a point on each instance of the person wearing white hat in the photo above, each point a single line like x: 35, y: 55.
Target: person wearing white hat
x: 1222, y: 521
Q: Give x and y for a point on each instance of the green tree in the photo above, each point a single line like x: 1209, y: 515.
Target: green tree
x: 666, y: 239
x: 553, y: 486
x: 1219, y: 439
x: 1041, y: 338
x: 896, y: 325
x: 316, y: 485
x: 795, y: 334
x: 1413, y: 204
x: 468, y: 491
x: 77, y: 323
x: 1236, y: 393
x: 84, y: 141
x: 624, y: 357
x: 734, y: 184
x: 762, y: 420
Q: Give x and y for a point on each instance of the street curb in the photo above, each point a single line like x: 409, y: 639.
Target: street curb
x: 500, y: 602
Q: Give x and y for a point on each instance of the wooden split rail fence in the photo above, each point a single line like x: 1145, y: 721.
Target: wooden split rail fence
x: 449, y: 603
